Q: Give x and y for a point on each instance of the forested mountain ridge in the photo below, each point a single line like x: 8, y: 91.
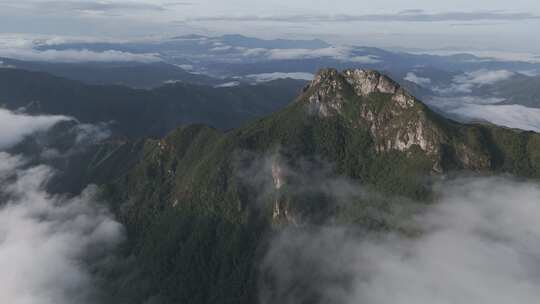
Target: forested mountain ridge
x: 200, y: 203
x: 139, y: 113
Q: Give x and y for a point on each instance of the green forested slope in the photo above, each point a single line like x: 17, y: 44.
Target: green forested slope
x: 200, y: 203
x: 138, y: 113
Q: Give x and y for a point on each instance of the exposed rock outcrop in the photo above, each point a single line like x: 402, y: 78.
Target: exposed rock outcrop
x: 395, y: 125
x: 396, y: 120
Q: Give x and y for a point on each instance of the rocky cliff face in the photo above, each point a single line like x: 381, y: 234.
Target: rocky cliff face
x: 396, y: 120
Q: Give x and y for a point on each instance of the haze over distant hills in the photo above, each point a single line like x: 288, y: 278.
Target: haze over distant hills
x: 232, y: 169
x: 137, y: 112
x: 462, y: 86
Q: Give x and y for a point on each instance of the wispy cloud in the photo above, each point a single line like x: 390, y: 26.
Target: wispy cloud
x: 74, y: 56
x: 24, y: 47
x: 421, y: 81
x: 14, y: 127
x: 403, y: 16
x: 337, y: 53
x: 49, y: 243
x: 467, y: 248
x: 46, y: 240
x: 512, y: 116
x: 273, y: 76
x: 467, y: 82
x: 96, y: 6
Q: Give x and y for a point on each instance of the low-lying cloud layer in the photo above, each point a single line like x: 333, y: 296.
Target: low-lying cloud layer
x: 13, y: 127
x: 512, y: 116
x: 479, y: 244
x: 264, y: 77
x: 414, y: 15
x: 421, y: 81
x: 338, y: 53
x: 76, y: 56
x: 469, y: 81
x: 24, y: 47
x: 472, y: 96
x: 48, y: 243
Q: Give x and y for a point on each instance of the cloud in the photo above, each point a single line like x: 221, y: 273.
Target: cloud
x: 5, y: 66
x: 46, y: 241
x: 95, y: 6
x: 264, y: 77
x: 452, y: 103
x: 228, y: 84
x: 403, y: 16
x: 74, y: 56
x: 221, y: 48
x: 468, y: 81
x: 91, y: 133
x: 457, y: 101
x: 480, y: 243
x: 484, y: 77
x: 421, y: 81
x: 24, y: 47
x: 512, y: 116
x: 8, y: 163
x: 530, y: 73
x: 14, y: 127
x: 488, y: 109
x: 338, y: 53
x: 503, y: 56
x: 51, y: 246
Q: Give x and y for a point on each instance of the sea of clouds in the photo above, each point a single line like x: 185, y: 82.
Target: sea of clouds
x: 480, y: 243
x: 48, y: 242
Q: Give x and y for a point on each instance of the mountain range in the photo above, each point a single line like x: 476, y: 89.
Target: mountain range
x: 200, y: 204
x: 138, y: 112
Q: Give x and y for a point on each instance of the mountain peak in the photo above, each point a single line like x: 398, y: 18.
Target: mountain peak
x: 364, y: 82
x: 330, y: 89
x: 370, y: 100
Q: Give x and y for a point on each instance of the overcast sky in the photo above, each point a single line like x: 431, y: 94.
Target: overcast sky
x: 465, y: 24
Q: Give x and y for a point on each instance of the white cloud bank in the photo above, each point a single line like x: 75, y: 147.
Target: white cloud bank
x: 23, y: 47
x: 264, y: 77
x: 479, y: 244
x: 512, y: 116
x: 488, y: 109
x: 469, y: 81
x: 47, y: 241
x: 484, y: 77
x: 338, y: 53
x: 341, y: 53
x: 421, y: 81
x: 13, y: 126
x: 75, y: 56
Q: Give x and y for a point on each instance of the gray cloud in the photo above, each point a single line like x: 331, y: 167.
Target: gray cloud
x: 46, y: 240
x: 73, y: 56
x: 458, y: 101
x: 479, y: 244
x: 338, y: 53
x: 512, y: 116
x: 49, y: 243
x: 468, y: 81
x: 23, y: 47
x: 403, y: 16
x: 277, y: 75
x: 421, y: 81
x: 14, y: 127
x: 96, y: 6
